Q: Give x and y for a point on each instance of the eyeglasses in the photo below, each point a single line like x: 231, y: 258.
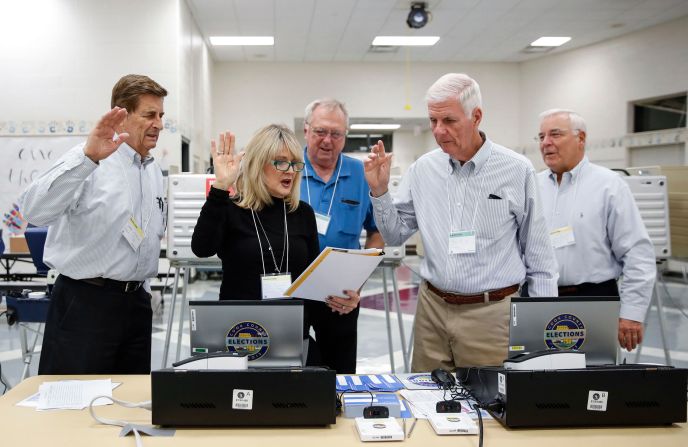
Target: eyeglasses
x: 322, y: 133
x: 284, y: 165
x: 554, y: 134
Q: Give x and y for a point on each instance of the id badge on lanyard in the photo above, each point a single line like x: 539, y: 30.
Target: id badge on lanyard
x: 274, y: 285
x: 133, y: 233
x: 322, y: 222
x: 462, y: 242
x: 562, y: 237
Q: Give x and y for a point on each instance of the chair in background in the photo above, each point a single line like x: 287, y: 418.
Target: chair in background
x: 35, y: 239
x: 31, y: 313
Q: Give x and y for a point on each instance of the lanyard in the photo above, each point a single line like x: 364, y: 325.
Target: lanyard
x: 477, y: 198
x: 334, y: 191
x: 575, y: 196
x: 285, y: 242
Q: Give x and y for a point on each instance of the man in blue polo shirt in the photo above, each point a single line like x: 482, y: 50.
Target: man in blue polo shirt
x: 335, y: 187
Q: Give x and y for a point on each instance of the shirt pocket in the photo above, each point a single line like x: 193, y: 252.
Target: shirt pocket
x: 494, y: 219
x: 349, y: 218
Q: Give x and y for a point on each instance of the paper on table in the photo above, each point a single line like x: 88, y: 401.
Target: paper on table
x: 71, y: 394
x: 32, y: 401
x: 333, y: 271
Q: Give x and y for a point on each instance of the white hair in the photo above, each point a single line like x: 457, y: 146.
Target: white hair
x: 329, y: 104
x: 577, y: 121
x: 456, y: 86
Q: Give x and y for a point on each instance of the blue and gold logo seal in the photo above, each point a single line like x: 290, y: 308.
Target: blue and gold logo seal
x: 249, y: 337
x: 422, y: 380
x: 565, y: 332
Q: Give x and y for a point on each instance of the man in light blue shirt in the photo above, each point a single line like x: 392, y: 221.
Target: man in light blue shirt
x: 595, y: 226
x: 475, y: 204
x: 335, y: 187
x: 104, y: 204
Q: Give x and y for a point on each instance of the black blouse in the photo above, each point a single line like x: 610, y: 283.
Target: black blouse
x: 225, y: 229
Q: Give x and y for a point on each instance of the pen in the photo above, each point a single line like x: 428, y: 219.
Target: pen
x: 412, y: 427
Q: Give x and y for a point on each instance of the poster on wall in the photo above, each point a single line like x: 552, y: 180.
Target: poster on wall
x: 24, y: 159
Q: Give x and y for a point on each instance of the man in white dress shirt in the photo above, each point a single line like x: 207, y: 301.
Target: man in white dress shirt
x: 595, y: 226
x: 475, y: 204
x: 105, y: 207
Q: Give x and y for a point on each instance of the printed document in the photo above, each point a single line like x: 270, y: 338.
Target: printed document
x: 333, y: 271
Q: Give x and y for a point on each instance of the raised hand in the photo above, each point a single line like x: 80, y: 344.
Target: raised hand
x: 100, y: 143
x: 226, y: 163
x: 377, y: 169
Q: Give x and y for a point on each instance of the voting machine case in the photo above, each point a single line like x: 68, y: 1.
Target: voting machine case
x: 593, y: 396
x: 253, y: 397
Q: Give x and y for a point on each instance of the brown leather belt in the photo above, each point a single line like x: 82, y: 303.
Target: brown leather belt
x: 492, y: 295
x: 122, y: 286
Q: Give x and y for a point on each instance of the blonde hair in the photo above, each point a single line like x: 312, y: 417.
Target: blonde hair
x: 265, y: 145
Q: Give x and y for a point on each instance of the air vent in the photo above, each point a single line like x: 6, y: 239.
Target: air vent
x: 196, y: 405
x: 552, y: 406
x: 531, y: 49
x: 643, y: 404
x: 286, y: 405
x: 383, y: 49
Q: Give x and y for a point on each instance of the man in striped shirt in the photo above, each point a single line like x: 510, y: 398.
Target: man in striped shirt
x: 104, y: 204
x: 475, y: 205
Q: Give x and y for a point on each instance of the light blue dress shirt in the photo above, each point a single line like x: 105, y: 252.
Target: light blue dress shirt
x: 495, y: 194
x: 87, y: 205
x: 610, y: 237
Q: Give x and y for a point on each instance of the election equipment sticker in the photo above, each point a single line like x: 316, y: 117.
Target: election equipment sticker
x: 565, y: 332
x: 248, y: 337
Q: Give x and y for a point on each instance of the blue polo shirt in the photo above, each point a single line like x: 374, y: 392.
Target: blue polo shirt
x: 351, y: 208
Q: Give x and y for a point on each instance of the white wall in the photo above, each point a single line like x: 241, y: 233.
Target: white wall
x: 598, y: 81
x: 195, y: 90
x: 248, y: 96
x: 60, y: 59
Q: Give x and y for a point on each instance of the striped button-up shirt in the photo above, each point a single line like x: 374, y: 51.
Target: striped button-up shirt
x: 88, y: 205
x: 494, y: 194
x: 610, y: 237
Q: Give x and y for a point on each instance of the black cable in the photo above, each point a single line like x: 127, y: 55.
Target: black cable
x: 476, y: 407
x: 1, y: 381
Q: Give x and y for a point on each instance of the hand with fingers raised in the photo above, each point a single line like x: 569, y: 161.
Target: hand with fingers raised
x: 100, y: 143
x: 377, y: 169
x: 226, y: 163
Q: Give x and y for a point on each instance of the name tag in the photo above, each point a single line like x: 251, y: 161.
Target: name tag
x: 462, y: 242
x: 562, y: 237
x: 274, y: 285
x: 133, y: 233
x: 322, y: 222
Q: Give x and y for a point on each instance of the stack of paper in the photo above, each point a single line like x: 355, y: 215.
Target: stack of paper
x: 73, y: 394
x: 333, y: 271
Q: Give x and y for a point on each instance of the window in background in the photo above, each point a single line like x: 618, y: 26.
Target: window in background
x: 360, y: 142
x: 668, y: 112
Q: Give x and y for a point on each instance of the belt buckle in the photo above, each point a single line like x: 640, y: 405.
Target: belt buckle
x: 134, y: 286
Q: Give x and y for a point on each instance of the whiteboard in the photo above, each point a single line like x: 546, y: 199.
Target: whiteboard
x: 23, y: 159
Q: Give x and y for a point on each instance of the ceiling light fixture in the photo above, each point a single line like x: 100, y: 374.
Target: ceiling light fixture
x: 418, y: 17
x: 550, y: 41
x: 242, y: 40
x: 373, y: 126
x: 406, y: 41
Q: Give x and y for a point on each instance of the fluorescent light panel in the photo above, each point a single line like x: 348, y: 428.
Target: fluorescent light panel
x: 242, y: 40
x: 550, y: 41
x: 375, y: 126
x: 406, y: 41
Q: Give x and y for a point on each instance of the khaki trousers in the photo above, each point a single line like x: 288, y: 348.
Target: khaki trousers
x: 452, y: 335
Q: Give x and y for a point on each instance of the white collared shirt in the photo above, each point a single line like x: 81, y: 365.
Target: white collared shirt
x: 497, y: 186
x: 610, y: 237
x: 87, y: 205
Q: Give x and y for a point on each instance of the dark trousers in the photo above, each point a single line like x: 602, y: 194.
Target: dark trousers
x: 336, y: 336
x: 606, y: 288
x: 96, y: 330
